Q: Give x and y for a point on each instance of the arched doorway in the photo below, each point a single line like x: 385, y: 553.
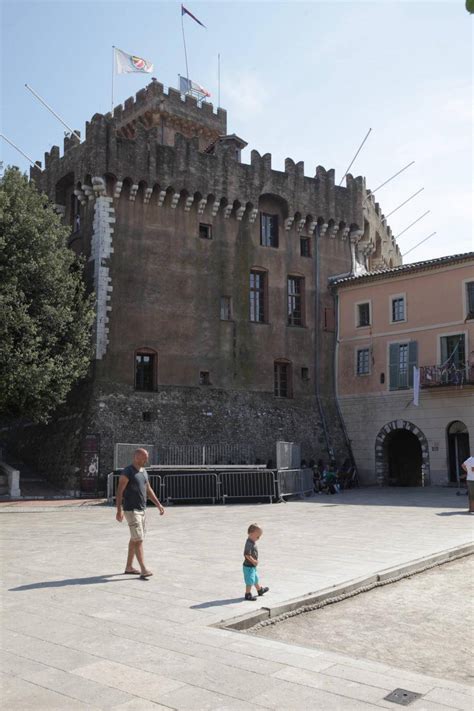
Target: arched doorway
x: 458, y: 448
x: 401, y: 454
x: 404, y: 458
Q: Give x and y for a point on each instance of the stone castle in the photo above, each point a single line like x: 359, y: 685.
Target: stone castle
x: 214, y: 322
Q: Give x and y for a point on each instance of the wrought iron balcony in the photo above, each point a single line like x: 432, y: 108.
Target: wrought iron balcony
x: 432, y: 376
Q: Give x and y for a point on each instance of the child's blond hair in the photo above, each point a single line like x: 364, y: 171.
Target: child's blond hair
x: 254, y: 527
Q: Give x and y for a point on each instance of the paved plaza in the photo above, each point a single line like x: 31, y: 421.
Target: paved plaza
x: 77, y: 634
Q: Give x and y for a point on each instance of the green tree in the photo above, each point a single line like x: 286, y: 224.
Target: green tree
x: 45, y: 313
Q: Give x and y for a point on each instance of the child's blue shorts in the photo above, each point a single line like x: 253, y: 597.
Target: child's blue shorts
x: 250, y: 575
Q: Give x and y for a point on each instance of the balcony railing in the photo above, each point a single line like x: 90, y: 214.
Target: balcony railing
x: 432, y: 376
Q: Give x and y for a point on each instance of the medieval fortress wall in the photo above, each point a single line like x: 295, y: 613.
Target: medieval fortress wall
x: 148, y: 175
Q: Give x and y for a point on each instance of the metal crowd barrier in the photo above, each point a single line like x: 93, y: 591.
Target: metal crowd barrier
x: 185, y: 487
x: 224, y: 485
x: 291, y: 482
x: 247, y: 485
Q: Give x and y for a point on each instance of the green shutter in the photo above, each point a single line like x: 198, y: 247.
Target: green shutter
x: 394, y: 366
x: 444, y: 350
x: 412, y: 360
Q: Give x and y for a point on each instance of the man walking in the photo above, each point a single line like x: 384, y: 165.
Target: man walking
x: 134, y: 489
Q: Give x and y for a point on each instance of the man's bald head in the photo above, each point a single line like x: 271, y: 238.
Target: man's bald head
x: 140, y: 457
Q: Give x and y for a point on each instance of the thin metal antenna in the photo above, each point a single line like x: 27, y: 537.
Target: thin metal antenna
x: 358, y: 151
x: 371, y: 192
x: 20, y: 151
x: 417, y: 245
x: 218, y: 80
x: 53, y: 112
x: 413, y: 223
x: 402, y: 204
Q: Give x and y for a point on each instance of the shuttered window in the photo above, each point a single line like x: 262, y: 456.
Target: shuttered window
x: 403, y: 357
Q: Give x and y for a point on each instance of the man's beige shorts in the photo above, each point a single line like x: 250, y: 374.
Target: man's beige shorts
x: 136, y: 523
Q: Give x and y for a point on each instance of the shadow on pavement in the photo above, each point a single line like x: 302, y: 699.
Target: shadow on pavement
x: 76, y: 581
x: 217, y: 603
x: 416, y: 497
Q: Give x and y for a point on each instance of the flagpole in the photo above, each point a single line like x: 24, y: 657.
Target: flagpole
x: 35, y: 165
x: 218, y: 80
x: 113, y: 74
x: 53, y: 112
x: 185, y: 50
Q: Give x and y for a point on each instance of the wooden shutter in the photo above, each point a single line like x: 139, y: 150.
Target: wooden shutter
x: 412, y: 360
x: 444, y: 350
x: 394, y: 363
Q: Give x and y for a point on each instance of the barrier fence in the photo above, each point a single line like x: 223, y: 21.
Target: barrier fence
x: 184, y: 454
x: 291, y: 482
x: 221, y: 486
x: 247, y: 485
x: 185, y: 487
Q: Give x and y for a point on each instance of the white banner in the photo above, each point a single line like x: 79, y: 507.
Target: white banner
x: 416, y: 386
x: 128, y: 63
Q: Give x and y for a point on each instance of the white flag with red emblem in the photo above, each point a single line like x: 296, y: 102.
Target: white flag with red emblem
x: 128, y: 63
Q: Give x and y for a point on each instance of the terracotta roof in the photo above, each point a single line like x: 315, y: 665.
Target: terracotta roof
x: 403, y: 269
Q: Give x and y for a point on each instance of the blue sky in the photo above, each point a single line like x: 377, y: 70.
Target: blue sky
x: 299, y: 79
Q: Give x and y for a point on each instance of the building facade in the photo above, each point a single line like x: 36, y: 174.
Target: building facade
x: 420, y: 315
x: 215, y: 322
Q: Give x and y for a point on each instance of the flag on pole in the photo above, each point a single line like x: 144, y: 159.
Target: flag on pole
x: 185, y: 11
x: 128, y: 63
x: 186, y: 86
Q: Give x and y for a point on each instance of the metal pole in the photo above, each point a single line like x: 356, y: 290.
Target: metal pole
x: 53, y: 112
x: 218, y: 80
x: 358, y: 151
x: 185, y: 50
x: 417, y: 245
x: 19, y: 151
x: 371, y: 192
x: 403, y: 203
x: 413, y: 223
x: 113, y: 75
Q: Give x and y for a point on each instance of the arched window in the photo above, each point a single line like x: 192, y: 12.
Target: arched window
x: 283, y: 385
x: 146, y: 369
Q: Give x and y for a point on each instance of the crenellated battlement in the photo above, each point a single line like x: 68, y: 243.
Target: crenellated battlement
x: 157, y: 142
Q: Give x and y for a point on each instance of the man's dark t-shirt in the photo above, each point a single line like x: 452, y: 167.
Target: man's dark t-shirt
x: 134, y: 496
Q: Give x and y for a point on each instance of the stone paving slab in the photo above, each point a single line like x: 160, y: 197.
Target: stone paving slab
x: 76, y: 633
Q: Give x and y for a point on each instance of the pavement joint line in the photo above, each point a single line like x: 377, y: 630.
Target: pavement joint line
x: 266, y: 616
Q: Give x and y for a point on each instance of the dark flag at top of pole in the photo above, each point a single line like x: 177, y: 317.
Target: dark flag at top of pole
x: 185, y: 11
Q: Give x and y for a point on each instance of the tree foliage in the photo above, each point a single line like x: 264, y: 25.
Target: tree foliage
x: 45, y: 313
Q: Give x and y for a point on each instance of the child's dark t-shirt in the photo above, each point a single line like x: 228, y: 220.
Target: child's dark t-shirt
x: 251, y: 550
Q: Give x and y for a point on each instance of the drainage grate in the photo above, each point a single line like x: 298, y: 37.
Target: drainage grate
x: 402, y: 697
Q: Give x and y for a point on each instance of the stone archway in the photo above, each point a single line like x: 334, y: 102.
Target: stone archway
x: 381, y: 460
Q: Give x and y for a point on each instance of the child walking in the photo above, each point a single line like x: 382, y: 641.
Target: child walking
x: 251, y: 561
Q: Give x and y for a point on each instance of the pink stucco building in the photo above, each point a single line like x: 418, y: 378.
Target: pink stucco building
x: 393, y: 326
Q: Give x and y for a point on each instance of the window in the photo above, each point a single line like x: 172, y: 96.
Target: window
x: 403, y: 357
x: 304, y: 373
x: 363, y: 361
x: 258, y: 296
x: 282, y: 378
x: 205, y: 231
x: 268, y: 230
x: 204, y: 377
x: 295, y: 301
x: 226, y: 308
x: 470, y: 299
x: 453, y: 351
x: 145, y: 368
x: 305, y: 247
x: 398, y: 309
x: 363, y: 314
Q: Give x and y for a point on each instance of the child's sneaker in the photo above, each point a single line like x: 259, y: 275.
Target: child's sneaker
x: 262, y: 591
x: 249, y: 596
